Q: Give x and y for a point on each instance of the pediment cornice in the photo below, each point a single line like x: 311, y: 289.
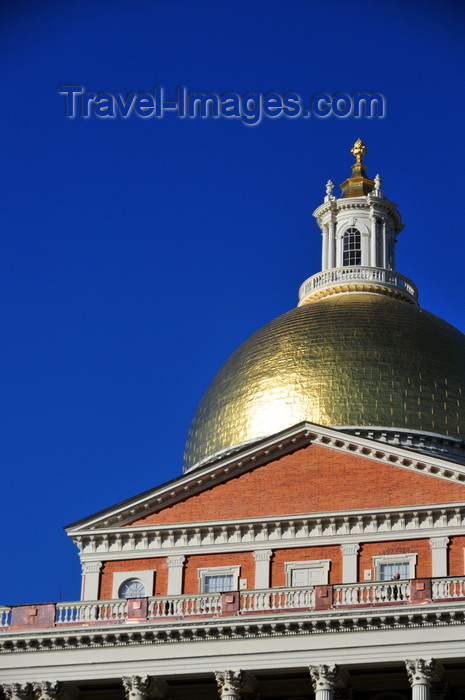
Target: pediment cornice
x: 261, y: 452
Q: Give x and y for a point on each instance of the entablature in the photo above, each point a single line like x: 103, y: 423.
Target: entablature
x: 287, y: 531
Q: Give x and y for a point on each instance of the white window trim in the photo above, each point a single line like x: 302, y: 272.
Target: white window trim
x: 323, y: 564
x: 410, y: 557
x: 145, y: 576
x: 219, y: 571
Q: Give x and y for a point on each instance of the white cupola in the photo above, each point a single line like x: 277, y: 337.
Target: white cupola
x: 359, y: 233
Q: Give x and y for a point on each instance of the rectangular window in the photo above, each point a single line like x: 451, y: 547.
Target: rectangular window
x: 300, y: 574
x: 219, y: 579
x: 218, y: 584
x: 394, y: 570
x: 389, y: 567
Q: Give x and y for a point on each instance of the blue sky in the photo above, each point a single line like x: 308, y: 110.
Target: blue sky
x: 137, y: 254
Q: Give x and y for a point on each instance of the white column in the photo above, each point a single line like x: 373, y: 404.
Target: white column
x: 175, y: 574
x: 137, y: 687
x: 420, y: 673
x: 332, y: 244
x: 384, y: 246
x: 350, y: 562
x: 47, y: 690
x: 16, y: 691
x: 229, y: 684
x: 90, y: 582
x: 262, y: 567
x: 374, y: 240
x: 439, y: 556
x: 324, y: 681
x: 324, y: 248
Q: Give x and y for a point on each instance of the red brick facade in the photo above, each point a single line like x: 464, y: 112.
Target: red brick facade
x: 311, y: 480
x: 110, y: 567
x: 244, y: 559
x: 371, y: 549
x: 281, y: 556
x: 456, y: 556
x: 314, y: 479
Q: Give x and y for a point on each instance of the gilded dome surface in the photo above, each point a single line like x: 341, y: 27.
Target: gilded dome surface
x: 356, y: 359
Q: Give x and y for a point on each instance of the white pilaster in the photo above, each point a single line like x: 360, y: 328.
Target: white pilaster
x: 229, y: 684
x: 366, y: 242
x: 420, y: 674
x: 324, y: 681
x: 350, y: 562
x: 90, y: 580
x: 438, y: 556
x: 175, y: 574
x: 262, y: 568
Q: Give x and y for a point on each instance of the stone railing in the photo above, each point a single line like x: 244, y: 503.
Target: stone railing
x: 371, y: 593
x: 98, y: 611
x: 5, y: 614
x: 358, y: 274
x: 448, y: 588
x: 273, y: 600
x: 278, y: 599
x: 184, y: 605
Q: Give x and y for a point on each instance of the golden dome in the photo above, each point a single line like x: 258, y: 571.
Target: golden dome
x: 357, y: 359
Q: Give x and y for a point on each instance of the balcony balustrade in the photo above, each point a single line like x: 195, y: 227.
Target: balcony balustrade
x: 277, y: 599
x: 101, y: 610
x: 371, y: 593
x: 370, y: 277
x: 184, y: 605
x: 266, y: 601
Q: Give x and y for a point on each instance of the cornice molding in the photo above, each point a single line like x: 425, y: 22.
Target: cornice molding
x: 288, y: 531
x: 380, y: 204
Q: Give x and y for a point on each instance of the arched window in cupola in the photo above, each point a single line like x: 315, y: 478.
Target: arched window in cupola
x: 352, y: 247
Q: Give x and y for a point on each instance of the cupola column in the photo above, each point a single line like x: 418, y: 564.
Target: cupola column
x: 332, y: 241
x: 383, y: 260
x: 374, y: 240
x: 324, y: 248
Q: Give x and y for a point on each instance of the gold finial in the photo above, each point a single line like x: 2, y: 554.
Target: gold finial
x: 358, y: 184
x: 359, y: 150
